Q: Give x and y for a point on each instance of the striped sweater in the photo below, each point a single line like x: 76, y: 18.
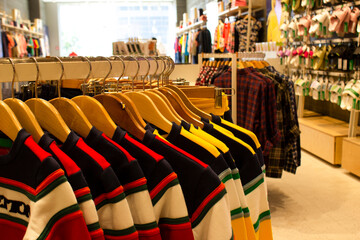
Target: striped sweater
x: 36, y: 200
x: 78, y: 184
x: 252, y: 177
x: 132, y: 178
x: 165, y: 192
x: 205, y: 194
x: 108, y: 194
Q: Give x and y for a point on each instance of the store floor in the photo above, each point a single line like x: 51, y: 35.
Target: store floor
x: 320, y: 202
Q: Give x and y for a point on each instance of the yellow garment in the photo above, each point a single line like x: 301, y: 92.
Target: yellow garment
x: 208, y: 105
x: 273, y: 30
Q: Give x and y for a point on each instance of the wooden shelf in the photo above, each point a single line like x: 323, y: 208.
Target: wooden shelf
x: 235, y: 11
x: 350, y: 155
x: 322, y: 136
x: 192, y: 26
x: 21, y: 30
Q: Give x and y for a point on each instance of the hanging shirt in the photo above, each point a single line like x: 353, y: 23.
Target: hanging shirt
x: 243, y: 134
x: 163, y: 184
x: 108, y: 194
x: 208, y: 154
x: 243, y: 232
x: 204, y: 193
x: 252, y: 179
x: 37, y: 202
x: 242, y: 28
x: 132, y: 178
x: 256, y: 107
x: 78, y: 184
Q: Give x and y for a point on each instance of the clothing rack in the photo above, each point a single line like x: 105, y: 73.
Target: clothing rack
x: 244, y: 56
x: 233, y: 58
x: 75, y: 68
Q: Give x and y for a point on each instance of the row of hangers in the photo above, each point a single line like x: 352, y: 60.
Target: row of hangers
x: 105, y: 111
x: 242, y: 63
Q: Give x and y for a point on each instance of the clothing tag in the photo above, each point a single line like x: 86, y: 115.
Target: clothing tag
x: 324, y: 30
x: 322, y: 95
x: 294, y: 3
x: 339, y: 63
x: 326, y: 63
x: 312, y: 62
x: 316, y: 36
x: 305, y: 31
x: 281, y: 61
x: 286, y: 33
x: 346, y: 27
x: 345, y: 64
x: 321, y: 27
x: 351, y: 64
x: 300, y: 59
x: 339, y: 100
x: 293, y: 33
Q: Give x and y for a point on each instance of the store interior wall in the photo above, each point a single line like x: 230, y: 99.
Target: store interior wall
x: 22, y: 5
x: 180, y: 9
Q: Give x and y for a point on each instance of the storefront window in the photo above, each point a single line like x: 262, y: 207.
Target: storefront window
x: 90, y: 28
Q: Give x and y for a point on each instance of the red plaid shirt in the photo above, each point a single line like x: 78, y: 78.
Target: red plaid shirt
x: 256, y: 105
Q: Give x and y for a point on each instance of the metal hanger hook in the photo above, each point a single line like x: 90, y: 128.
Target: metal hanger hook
x: 110, y: 69
x: 61, y: 76
x: 37, y: 75
x: 122, y: 73
x: 13, y: 78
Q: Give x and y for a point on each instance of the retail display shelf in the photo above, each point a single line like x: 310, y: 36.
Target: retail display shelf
x: 323, y: 136
x: 21, y: 30
x: 190, y: 27
x: 350, y: 155
x: 234, y: 11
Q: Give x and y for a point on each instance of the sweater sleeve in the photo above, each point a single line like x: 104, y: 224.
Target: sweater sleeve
x: 54, y: 213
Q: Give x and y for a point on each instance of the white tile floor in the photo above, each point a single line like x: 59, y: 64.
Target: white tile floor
x: 320, y: 202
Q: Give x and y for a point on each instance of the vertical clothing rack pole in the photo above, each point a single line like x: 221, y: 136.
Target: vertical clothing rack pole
x: 234, y: 85
x: 233, y: 57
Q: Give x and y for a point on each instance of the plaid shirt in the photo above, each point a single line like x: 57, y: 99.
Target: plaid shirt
x: 294, y: 154
x: 284, y: 155
x: 252, y: 104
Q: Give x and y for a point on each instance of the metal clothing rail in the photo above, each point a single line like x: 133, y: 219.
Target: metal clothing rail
x: 75, y: 68
x: 234, y: 57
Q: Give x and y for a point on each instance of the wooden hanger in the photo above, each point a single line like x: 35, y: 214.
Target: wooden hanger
x: 47, y: 115
x: 167, y: 102
x: 9, y: 124
x: 181, y: 108
x: 123, y: 112
x: 70, y: 112
x: 163, y: 107
x: 93, y: 110
x: 188, y: 103
x: 148, y: 109
x: 23, y: 112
